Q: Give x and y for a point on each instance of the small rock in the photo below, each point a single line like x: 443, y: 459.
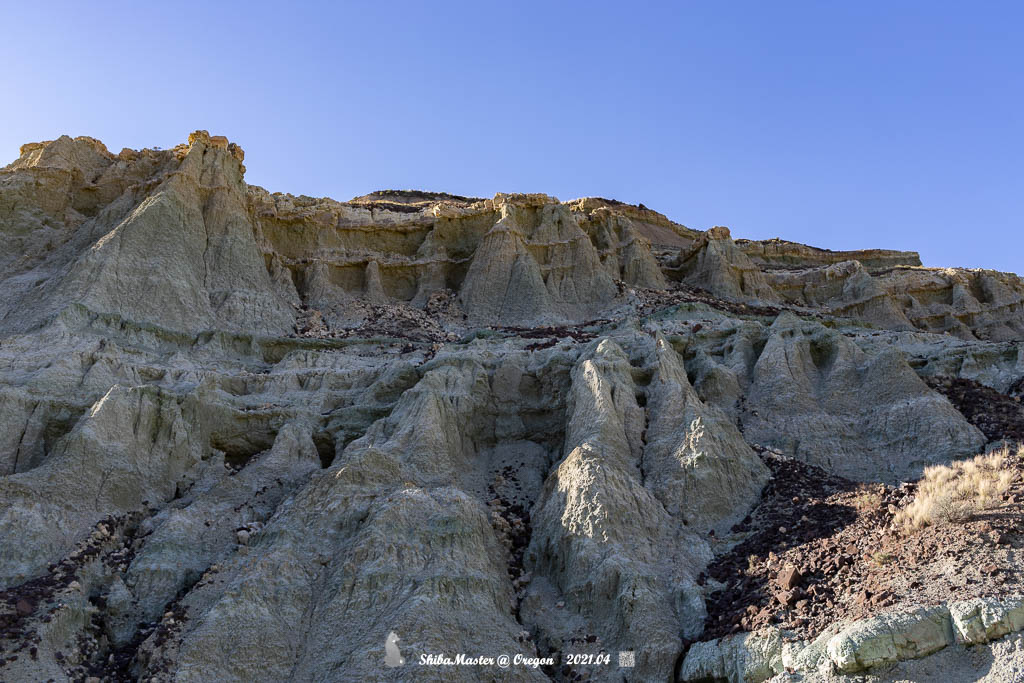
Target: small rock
x: 863, y: 598
x: 788, y: 578
x: 881, y: 599
x: 24, y: 607
x: 786, y: 598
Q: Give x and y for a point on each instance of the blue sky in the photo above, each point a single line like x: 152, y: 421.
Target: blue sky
x: 843, y: 125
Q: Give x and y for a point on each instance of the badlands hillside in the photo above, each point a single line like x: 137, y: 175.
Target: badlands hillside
x: 245, y: 436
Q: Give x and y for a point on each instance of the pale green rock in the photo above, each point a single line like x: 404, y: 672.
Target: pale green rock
x: 745, y: 658
x: 890, y: 638
x: 983, y: 619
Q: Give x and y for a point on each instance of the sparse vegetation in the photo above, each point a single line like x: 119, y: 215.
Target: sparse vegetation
x: 956, y: 492
x: 882, y: 558
x: 867, y: 498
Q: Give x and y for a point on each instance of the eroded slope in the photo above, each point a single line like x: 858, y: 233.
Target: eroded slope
x: 245, y: 436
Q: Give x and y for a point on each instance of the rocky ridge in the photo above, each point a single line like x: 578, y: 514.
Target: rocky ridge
x: 245, y: 435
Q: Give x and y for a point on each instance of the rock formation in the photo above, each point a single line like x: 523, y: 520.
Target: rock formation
x: 251, y: 436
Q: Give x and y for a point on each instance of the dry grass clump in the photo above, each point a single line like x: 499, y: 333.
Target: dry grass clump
x: 954, y: 493
x: 881, y: 558
x: 868, y: 497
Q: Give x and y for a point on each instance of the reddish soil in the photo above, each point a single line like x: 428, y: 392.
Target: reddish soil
x: 22, y: 606
x: 652, y: 300
x: 379, y: 320
x: 850, y: 560
x: 999, y: 416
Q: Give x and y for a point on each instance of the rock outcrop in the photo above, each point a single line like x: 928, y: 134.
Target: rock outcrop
x: 176, y: 250
x: 695, y: 459
x: 252, y: 436
x: 778, y: 253
x: 887, y: 639
x: 716, y: 264
x: 815, y: 395
x: 135, y: 447
x: 623, y: 567
x: 534, y: 266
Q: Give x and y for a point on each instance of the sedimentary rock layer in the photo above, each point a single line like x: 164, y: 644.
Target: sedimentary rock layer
x: 247, y: 436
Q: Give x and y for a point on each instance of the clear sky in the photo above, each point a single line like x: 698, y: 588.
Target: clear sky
x: 839, y: 124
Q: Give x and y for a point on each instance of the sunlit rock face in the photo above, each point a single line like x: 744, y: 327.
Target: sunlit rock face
x: 246, y: 435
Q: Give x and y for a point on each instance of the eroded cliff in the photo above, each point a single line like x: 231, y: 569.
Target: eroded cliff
x: 245, y: 435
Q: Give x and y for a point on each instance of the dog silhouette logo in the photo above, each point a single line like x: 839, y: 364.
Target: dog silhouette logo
x: 392, y: 657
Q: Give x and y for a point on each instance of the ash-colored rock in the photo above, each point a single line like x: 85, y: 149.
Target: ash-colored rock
x: 817, y: 397
x: 971, y: 304
x: 995, y: 662
x: 745, y: 658
x: 695, y: 460
x: 29, y: 428
x: 183, y: 256
x: 372, y: 545
x: 624, y: 251
x: 187, y: 541
x: 808, y: 657
x: 602, y: 540
x: 868, y: 647
x: 483, y: 424
x: 534, y: 266
x: 843, y: 289
x: 136, y: 444
x: 778, y: 253
x: 891, y: 638
x: 983, y: 619
x: 994, y: 364
x: 716, y: 264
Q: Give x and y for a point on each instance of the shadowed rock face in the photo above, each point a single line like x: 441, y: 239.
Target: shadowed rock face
x: 716, y: 264
x: 816, y: 396
x: 508, y: 425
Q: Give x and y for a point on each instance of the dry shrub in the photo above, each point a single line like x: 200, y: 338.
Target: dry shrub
x: 956, y: 492
x: 881, y: 558
x: 868, y: 497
